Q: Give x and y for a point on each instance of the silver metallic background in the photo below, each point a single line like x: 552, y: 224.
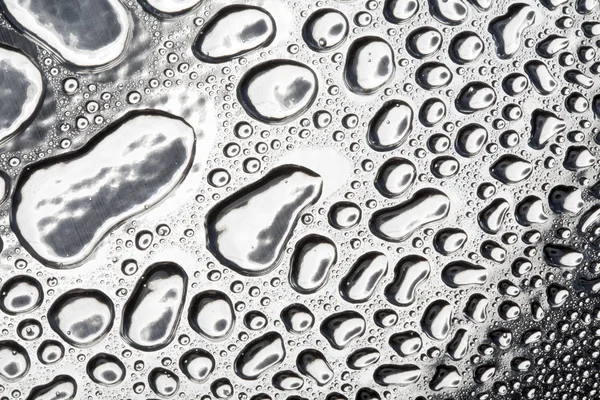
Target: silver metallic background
x: 540, y: 337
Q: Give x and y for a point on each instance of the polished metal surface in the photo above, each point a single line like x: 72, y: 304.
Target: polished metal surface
x: 276, y: 199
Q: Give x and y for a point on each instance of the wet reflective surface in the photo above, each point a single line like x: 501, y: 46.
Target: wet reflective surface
x: 268, y: 199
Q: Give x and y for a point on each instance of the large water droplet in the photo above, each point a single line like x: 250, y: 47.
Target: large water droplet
x: 249, y: 230
x: 126, y: 169
x: 85, y: 33
x: 22, y: 89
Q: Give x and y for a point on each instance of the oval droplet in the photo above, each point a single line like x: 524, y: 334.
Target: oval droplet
x: 432, y: 112
x: 152, y: 313
x: 14, y: 361
x: 437, y: 319
x: 423, y: 42
x: 466, y: 47
x: 462, y: 273
x: 369, y: 66
x: 400, y: 11
x: 406, y: 343
x: 344, y: 215
x: 491, y: 217
x: 277, y: 91
x: 390, y: 126
x: 474, y: 97
x: 364, y: 276
x: 163, y: 382
x: 395, y: 177
x: 470, y: 140
x: 342, y: 328
x: 297, y: 318
x: 433, y: 75
x: 233, y: 32
x: 362, y: 358
x: 449, y: 12
x: 449, y: 240
x: 259, y: 356
x: 510, y: 169
x: 105, y: 369
x: 311, y: 262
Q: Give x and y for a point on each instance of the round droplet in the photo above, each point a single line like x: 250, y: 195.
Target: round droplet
x: 50, y: 351
x: 129, y: 267
x: 163, y: 382
x: 423, y: 42
x: 385, y: 318
x: 197, y: 365
x: 449, y: 240
x: 82, y: 317
x: 222, y: 388
x: 143, y: 239
x: 474, y: 97
x: 433, y: 75
x: 400, y: 11
x: 30, y: 329
x: 218, y: 177
x: 344, y: 215
x: 515, y: 84
x: 325, y: 30
x: 287, y: 380
x: 14, y: 361
x: 444, y: 167
x: 21, y: 294
x: 470, y: 140
x: 255, y: 320
x: 297, y: 318
x: 466, y: 47
x: 211, y: 314
x: 106, y: 369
